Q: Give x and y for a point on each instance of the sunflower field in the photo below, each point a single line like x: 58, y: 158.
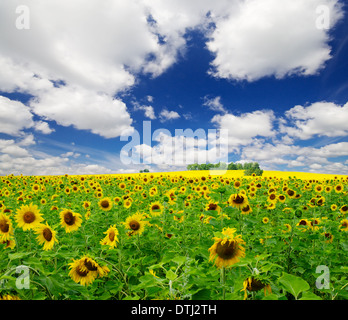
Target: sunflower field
x: 178, y: 236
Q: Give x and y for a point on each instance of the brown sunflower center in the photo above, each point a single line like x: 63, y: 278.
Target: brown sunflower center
x: 303, y: 223
x: 29, y: 217
x: 4, y: 226
x: 90, y: 266
x: 112, y: 235
x: 81, y: 273
x: 344, y: 208
x: 212, y: 206
x: 255, y: 285
x: 155, y: 207
x: 272, y: 196
x: 105, y: 204
x: 290, y: 192
x: 69, y: 218
x: 246, y: 208
x: 134, y: 225
x: 239, y: 199
x: 226, y: 251
x: 47, y: 234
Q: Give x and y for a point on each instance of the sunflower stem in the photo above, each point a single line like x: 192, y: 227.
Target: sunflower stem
x: 223, y: 281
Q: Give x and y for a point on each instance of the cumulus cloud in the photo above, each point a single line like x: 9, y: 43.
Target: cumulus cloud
x: 166, y: 115
x: 214, y: 104
x: 9, y: 147
x: 149, y: 111
x: 320, y: 118
x: 272, y: 38
x: 83, y: 109
x: 14, y: 117
x: 242, y: 129
x: 43, y: 127
x: 308, y: 158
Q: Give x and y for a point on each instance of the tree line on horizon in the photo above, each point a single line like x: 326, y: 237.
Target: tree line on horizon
x: 250, y: 168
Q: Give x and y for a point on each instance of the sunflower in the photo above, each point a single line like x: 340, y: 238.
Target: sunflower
x: 291, y: 193
x: 93, y: 267
x: 328, y: 189
x: 246, y: 209
x: 6, y: 229
x: 227, y: 248
x: 111, y: 237
x: 333, y: 207
x: 135, y: 224
x: 281, y: 198
x: 339, y: 188
x: 303, y: 223
x: 253, y: 284
x: 156, y: 208
x: 70, y: 220
x: 318, y: 188
x: 117, y: 200
x: 127, y: 203
x: 28, y: 217
x: 272, y: 197
x: 213, y: 206
x: 80, y: 274
x: 46, y: 236
x: 35, y: 188
x: 86, y: 204
x: 237, y: 184
x: 238, y: 200
x: 313, y: 224
x: 271, y: 206
x: 122, y: 185
x: 265, y: 220
x: 10, y: 244
x: 328, y: 237
x: 287, y: 228
x: 171, y: 196
x: 105, y: 204
x: 344, y: 209
x: 344, y: 225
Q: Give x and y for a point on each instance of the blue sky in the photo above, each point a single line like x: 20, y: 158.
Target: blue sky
x: 271, y: 74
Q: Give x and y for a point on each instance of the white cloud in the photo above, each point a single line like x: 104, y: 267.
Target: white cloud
x: 84, y: 109
x: 10, y: 148
x: 166, y: 115
x: 14, y: 117
x: 56, y: 44
x: 320, y: 118
x: 148, y: 110
x: 272, y: 38
x: 242, y: 129
x: 184, y: 148
x: 171, y: 20
x: 43, y: 127
x: 28, y: 140
x: 310, y: 158
x: 214, y: 104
